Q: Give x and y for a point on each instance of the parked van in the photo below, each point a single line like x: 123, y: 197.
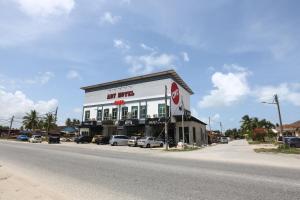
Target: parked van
x: 118, y: 140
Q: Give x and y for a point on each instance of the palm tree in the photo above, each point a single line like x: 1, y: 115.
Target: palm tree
x: 31, y: 120
x: 246, y: 125
x: 49, y: 122
x: 75, y: 122
x: 41, y: 124
x: 68, y: 122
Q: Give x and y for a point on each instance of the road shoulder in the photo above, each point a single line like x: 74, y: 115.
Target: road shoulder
x: 16, y: 186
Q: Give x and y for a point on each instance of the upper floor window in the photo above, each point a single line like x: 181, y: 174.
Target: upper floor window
x: 114, y: 113
x: 124, y: 112
x: 106, y: 114
x: 134, y: 112
x: 99, y: 115
x: 162, y: 110
x: 143, y: 112
x: 87, y: 115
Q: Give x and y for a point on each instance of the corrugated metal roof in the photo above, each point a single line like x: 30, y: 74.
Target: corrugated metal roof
x: 169, y: 73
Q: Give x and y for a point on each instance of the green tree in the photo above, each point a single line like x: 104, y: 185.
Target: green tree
x: 41, y: 124
x: 75, y: 122
x: 31, y: 120
x: 68, y: 122
x: 49, y: 122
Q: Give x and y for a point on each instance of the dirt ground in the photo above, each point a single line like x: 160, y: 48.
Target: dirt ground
x: 14, y: 186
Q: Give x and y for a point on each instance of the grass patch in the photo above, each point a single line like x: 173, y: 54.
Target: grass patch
x: 184, y: 149
x: 281, y: 149
x: 259, y: 142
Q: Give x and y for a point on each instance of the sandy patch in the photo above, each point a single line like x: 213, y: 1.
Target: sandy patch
x: 15, y: 186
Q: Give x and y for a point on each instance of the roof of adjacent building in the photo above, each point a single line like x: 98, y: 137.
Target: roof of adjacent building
x: 190, y: 118
x: 292, y: 125
x: 139, y: 79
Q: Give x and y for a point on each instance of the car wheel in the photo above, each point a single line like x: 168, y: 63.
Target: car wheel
x: 115, y: 144
x: 161, y: 145
x: 148, y: 146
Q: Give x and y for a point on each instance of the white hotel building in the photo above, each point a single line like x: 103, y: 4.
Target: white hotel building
x: 136, y: 106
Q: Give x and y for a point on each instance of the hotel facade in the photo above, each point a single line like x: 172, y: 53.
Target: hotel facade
x: 136, y: 106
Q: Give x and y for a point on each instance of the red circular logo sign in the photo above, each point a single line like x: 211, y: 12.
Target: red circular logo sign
x: 175, y: 93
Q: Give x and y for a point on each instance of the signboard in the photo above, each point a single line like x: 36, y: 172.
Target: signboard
x: 119, y: 102
x: 175, y: 93
x: 120, y: 95
x: 176, y: 101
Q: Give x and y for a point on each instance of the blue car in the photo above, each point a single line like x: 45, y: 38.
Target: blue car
x: 23, y: 138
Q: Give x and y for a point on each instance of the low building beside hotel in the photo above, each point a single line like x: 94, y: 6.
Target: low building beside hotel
x: 136, y: 106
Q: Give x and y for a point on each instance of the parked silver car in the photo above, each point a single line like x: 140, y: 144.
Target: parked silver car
x: 133, y: 141
x: 150, y: 142
x: 118, y: 140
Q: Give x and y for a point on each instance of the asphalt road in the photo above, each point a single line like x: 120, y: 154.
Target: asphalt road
x: 82, y: 173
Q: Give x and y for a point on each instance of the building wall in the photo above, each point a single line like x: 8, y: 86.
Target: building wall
x: 201, y: 134
x: 149, y: 93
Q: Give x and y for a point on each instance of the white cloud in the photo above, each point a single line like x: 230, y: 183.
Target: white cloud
x: 43, y: 8
x: 120, y: 44
x: 72, y: 74
x: 42, y: 78
x: 185, y: 56
x: 145, y: 47
x: 42, y: 18
x: 286, y: 92
x: 228, y: 87
x: 18, y: 104
x: 107, y: 17
x: 150, y: 62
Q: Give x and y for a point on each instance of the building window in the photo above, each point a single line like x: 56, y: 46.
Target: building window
x: 162, y: 110
x: 124, y: 112
x: 106, y: 114
x: 143, y: 112
x: 114, y: 113
x: 134, y: 112
x: 87, y: 115
x: 99, y: 115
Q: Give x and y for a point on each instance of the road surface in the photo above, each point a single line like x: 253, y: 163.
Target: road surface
x: 83, y: 173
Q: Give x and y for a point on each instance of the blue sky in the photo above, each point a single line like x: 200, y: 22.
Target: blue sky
x: 233, y: 54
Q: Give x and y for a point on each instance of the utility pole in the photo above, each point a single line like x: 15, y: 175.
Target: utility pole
x: 206, y: 139
x: 182, y: 120
x: 276, y: 101
x: 56, y: 114
x: 166, y: 117
x: 221, y: 128
x: 10, y: 126
x: 279, y: 113
x: 209, y: 124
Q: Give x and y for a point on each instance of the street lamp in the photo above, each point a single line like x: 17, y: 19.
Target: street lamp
x: 276, y: 101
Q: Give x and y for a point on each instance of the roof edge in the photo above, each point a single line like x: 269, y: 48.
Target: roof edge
x: 171, y: 73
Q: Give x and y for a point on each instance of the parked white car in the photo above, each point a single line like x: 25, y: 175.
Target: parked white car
x: 118, y: 140
x: 224, y: 140
x: 35, y: 139
x: 149, y: 142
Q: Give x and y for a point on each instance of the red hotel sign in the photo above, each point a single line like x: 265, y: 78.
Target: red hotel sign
x: 175, y: 93
x: 120, y: 95
x: 119, y: 102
